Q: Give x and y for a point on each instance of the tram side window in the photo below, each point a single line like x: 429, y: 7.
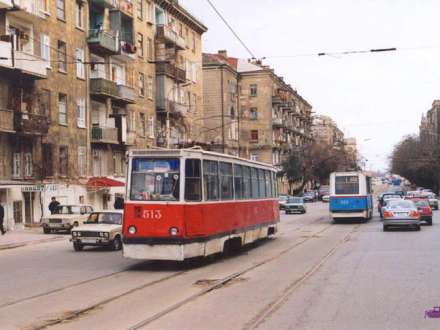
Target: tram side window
x: 254, y: 178
x: 226, y: 181
x: 210, y: 176
x: 268, y: 184
x: 247, y: 187
x: 275, y: 185
x: 193, y: 180
x: 238, y: 182
x: 261, y: 183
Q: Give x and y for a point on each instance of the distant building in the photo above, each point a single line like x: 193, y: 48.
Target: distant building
x: 325, y: 130
x: 430, y: 125
x: 350, y: 146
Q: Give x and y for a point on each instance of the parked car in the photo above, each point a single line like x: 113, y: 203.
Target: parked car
x: 102, y: 228
x: 325, y: 198
x: 323, y: 190
x: 424, y: 209
x: 66, y: 217
x: 401, y: 212
x: 282, y: 199
x: 295, y: 205
x: 309, y: 196
x: 433, y: 201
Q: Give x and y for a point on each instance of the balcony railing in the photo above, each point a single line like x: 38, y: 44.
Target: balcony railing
x: 105, y: 41
x: 126, y: 94
x: 6, y: 4
x: 276, y: 99
x: 6, y: 120
x: 170, y: 70
x: 165, y: 34
x: 28, y: 64
x: 175, y: 108
x: 29, y: 123
x: 277, y: 122
x: 105, y: 135
x: 103, y: 87
x: 111, y: 4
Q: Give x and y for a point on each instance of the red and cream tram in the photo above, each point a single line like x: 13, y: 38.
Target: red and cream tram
x: 189, y: 203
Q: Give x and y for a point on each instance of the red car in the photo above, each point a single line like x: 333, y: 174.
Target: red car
x: 424, y: 209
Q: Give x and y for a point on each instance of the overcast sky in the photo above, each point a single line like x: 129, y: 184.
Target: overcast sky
x: 371, y: 96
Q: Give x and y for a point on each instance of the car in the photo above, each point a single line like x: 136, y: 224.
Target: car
x: 309, y: 196
x: 401, y: 212
x: 323, y: 190
x: 383, y: 198
x: 102, y: 228
x: 66, y: 217
x: 295, y: 205
x: 433, y: 201
x: 325, y: 198
x: 424, y: 209
x: 282, y: 199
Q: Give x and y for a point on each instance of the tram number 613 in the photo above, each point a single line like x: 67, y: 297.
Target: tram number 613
x: 152, y: 214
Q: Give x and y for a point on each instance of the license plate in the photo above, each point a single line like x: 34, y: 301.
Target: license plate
x: 401, y: 214
x: 56, y: 225
x: 88, y: 240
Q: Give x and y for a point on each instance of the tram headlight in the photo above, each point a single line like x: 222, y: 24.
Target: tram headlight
x: 174, y: 231
x: 132, y: 230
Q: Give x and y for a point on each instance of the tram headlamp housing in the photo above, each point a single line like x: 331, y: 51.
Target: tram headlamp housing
x: 174, y: 231
x: 132, y: 230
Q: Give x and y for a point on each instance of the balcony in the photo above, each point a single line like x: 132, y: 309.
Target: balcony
x: 5, y: 4
x: 27, y: 8
x: 170, y: 70
x: 103, y: 87
x: 276, y: 99
x: 125, y: 6
x: 175, y: 108
x: 126, y: 94
x: 166, y: 35
x: 28, y: 64
x: 105, y: 135
x: 127, y: 51
x: 277, y: 122
x: 110, y: 4
x: 31, y: 124
x: 7, y: 121
x: 104, y: 42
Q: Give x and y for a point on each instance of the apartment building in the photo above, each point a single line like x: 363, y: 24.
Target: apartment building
x: 350, y: 146
x: 179, y: 87
x: 325, y: 130
x: 81, y: 83
x: 221, y: 103
x: 430, y: 125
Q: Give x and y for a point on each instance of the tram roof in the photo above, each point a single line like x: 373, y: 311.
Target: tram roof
x: 192, y: 153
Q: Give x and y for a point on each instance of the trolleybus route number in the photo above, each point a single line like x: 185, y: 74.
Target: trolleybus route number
x: 152, y: 214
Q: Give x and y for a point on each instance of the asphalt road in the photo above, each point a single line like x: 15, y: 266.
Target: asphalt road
x: 314, y: 275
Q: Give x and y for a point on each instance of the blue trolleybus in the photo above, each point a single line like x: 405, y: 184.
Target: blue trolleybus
x: 350, y: 196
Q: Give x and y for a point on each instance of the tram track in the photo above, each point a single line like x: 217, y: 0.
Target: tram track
x: 73, y: 315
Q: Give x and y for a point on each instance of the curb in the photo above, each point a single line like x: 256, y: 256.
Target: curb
x: 17, y: 245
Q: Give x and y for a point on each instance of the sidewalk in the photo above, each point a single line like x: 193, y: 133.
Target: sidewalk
x: 27, y: 236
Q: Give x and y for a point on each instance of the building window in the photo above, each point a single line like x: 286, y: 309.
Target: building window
x: 254, y: 135
x: 151, y: 127
x: 140, y: 44
x: 141, y: 124
x: 194, y: 72
x: 28, y: 166
x: 118, y: 163
x: 80, y: 68
x: 150, y: 88
x: 79, y: 15
x: 254, y: 157
x: 253, y: 114
x: 150, y: 12
x: 193, y: 45
x: 45, y: 48
x: 16, y: 165
x: 62, y: 56
x: 139, y: 9
x: 62, y: 109
x: 63, y: 161
x: 253, y: 89
x: 48, y: 161
x: 150, y: 49
x: 82, y: 161
x: 141, y: 84
x: 131, y: 121
x: 81, y: 112
x: 61, y: 9
x: 44, y: 102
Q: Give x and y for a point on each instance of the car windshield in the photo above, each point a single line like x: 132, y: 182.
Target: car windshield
x: 295, y: 200
x: 67, y: 209
x: 400, y: 204
x: 282, y: 198
x: 422, y: 203
x: 155, y: 179
x: 105, y: 218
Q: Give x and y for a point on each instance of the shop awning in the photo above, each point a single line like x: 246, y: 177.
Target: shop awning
x: 103, y: 182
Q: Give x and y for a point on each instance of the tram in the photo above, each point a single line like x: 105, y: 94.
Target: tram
x: 350, y: 196
x: 190, y: 203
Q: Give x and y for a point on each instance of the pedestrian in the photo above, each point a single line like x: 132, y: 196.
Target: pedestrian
x: 2, y: 216
x: 53, y: 205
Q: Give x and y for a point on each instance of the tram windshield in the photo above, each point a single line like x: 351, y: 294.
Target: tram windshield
x: 154, y: 179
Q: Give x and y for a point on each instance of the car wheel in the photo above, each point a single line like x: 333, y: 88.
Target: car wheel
x: 385, y: 228
x: 46, y: 230
x: 116, y: 244
x: 418, y: 227
x: 429, y: 222
x: 77, y: 246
